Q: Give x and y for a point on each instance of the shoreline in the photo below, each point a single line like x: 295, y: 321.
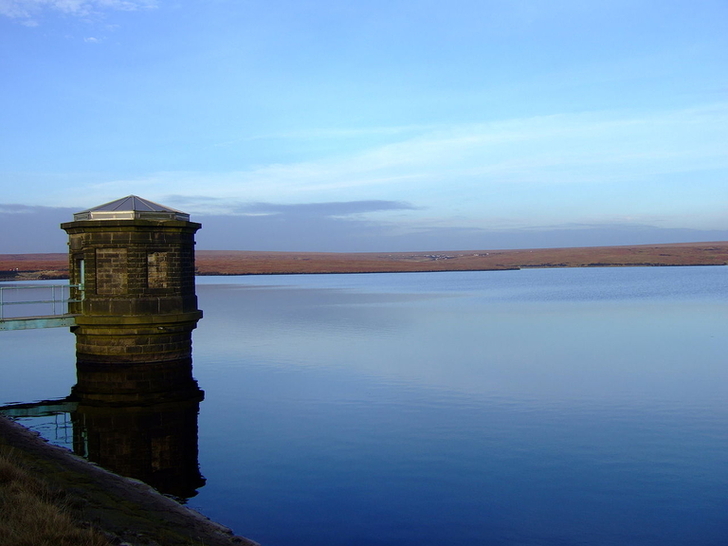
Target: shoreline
x: 125, y: 510
x: 21, y: 267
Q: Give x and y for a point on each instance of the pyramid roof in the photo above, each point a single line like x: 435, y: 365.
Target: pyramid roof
x: 131, y: 207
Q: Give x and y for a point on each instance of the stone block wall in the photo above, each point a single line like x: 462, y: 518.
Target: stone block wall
x: 133, y: 267
x: 144, y: 338
x: 138, y: 303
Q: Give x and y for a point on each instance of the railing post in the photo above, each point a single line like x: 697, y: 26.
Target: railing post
x: 59, y: 297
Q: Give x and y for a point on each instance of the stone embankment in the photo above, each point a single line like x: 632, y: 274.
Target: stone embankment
x: 127, y: 511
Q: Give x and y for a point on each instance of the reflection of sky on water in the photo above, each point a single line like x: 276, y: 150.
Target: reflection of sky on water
x: 456, y: 336
x: 549, y: 407
x: 56, y: 428
x: 534, y: 407
x: 570, y: 284
x: 36, y: 364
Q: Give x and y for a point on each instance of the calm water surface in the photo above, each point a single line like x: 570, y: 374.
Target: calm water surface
x: 533, y: 407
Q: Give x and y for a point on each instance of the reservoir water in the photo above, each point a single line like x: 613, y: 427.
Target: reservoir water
x: 535, y: 407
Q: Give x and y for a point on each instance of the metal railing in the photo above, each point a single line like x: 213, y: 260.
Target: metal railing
x: 57, y: 296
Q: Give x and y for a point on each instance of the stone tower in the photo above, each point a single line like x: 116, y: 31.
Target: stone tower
x: 134, y: 260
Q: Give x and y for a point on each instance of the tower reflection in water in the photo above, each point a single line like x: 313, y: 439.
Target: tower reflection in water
x: 140, y: 420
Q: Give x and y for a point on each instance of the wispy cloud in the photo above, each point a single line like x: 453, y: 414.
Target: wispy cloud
x: 271, y: 232
x: 465, y: 171
x: 28, y: 10
x: 547, y: 148
x: 325, y: 133
x: 324, y: 209
x: 14, y: 208
x: 339, y: 227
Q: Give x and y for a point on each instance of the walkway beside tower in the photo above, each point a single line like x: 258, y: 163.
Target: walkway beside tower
x: 32, y: 306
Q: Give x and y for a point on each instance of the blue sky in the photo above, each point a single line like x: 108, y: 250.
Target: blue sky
x: 378, y: 125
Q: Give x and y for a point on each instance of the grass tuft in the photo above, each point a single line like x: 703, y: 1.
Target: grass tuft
x: 33, y: 514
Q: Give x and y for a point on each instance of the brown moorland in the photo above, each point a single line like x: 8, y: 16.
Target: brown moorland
x: 241, y: 262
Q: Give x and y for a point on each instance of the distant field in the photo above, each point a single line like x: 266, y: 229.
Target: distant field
x: 239, y: 262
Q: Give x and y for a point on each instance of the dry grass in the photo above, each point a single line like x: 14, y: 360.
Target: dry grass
x: 239, y: 262
x: 211, y: 262
x: 70, y: 491
x: 32, y: 514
